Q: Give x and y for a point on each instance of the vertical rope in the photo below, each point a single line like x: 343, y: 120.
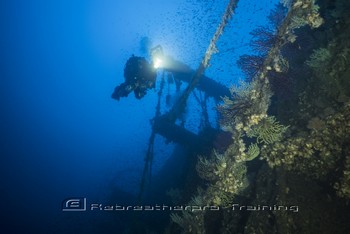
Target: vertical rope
x: 147, y: 170
x: 180, y: 105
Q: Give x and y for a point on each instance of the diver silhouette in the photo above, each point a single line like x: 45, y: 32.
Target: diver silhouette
x: 139, y: 76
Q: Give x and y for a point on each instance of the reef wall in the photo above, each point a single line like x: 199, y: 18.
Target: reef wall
x: 290, y: 127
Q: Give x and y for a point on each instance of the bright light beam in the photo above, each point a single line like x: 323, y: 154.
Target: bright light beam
x: 157, y: 63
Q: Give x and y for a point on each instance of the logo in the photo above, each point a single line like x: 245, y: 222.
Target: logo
x: 74, y: 204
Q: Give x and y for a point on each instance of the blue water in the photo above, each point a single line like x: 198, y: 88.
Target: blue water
x: 61, y: 133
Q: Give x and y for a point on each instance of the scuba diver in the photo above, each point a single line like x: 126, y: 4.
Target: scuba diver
x: 139, y: 75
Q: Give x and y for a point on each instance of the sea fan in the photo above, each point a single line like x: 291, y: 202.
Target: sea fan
x: 250, y: 65
x: 263, y: 39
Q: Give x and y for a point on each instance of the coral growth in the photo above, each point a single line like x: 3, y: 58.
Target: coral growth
x: 343, y: 186
x: 250, y: 65
x: 191, y: 220
x: 226, y: 176
x: 306, y: 12
x: 316, y: 154
x: 263, y: 39
x: 253, y: 151
x: 247, y: 106
x: 319, y: 58
x: 267, y: 131
x: 277, y: 15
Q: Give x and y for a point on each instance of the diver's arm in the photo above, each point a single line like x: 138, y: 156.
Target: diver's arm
x: 122, y: 90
